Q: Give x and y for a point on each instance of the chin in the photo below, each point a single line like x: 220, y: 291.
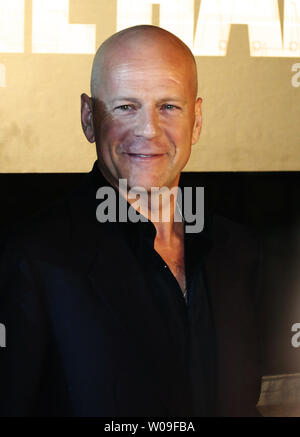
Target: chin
x: 145, y: 182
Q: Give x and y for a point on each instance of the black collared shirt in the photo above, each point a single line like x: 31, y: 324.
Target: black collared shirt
x: 189, y: 323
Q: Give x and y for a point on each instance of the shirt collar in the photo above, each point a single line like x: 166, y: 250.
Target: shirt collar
x: 137, y: 232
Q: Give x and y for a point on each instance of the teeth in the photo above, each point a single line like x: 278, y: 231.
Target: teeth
x: 142, y: 155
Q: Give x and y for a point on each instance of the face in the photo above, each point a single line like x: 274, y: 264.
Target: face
x: 144, y: 119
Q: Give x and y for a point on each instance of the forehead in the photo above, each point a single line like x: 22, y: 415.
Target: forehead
x: 146, y: 73
x: 144, y: 70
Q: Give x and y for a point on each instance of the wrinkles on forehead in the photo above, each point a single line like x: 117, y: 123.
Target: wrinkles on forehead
x: 137, y: 45
x: 141, y: 76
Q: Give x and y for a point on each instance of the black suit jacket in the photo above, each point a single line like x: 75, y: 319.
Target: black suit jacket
x: 83, y: 336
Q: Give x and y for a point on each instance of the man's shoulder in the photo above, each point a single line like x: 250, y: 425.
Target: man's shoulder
x: 233, y: 239
x: 51, y: 226
x: 37, y: 232
x: 219, y: 227
x: 223, y: 225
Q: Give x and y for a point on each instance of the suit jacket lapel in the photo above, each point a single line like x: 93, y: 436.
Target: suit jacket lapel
x: 131, y: 302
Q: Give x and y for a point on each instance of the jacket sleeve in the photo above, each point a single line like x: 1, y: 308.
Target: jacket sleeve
x: 23, y: 323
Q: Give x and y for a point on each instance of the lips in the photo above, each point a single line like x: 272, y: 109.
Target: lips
x: 145, y: 155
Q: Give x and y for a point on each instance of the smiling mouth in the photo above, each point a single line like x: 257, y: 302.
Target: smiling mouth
x: 145, y: 156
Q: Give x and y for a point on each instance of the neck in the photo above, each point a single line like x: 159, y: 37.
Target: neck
x: 158, y: 206
x: 161, y: 208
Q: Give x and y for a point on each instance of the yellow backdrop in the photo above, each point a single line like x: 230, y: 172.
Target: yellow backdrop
x: 248, y: 56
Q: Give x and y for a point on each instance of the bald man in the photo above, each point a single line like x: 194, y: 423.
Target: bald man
x: 144, y: 117
x: 112, y: 316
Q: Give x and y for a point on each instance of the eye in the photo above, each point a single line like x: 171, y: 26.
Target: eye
x: 169, y: 107
x: 124, y: 108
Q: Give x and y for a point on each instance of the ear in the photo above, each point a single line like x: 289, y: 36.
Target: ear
x: 87, y: 121
x: 198, y: 121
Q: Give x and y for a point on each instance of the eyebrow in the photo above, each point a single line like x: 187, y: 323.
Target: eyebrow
x: 172, y: 99
x: 119, y: 99
x: 135, y: 100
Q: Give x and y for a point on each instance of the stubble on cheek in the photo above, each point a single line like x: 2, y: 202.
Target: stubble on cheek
x: 114, y: 135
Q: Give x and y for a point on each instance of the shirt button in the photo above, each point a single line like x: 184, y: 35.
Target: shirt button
x: 165, y: 266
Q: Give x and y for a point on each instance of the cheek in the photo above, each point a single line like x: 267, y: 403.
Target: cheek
x: 180, y: 134
x: 114, y: 131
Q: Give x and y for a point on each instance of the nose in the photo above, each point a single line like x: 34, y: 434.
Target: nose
x: 147, y: 123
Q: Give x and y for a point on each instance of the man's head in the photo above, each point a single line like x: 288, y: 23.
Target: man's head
x: 144, y: 113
